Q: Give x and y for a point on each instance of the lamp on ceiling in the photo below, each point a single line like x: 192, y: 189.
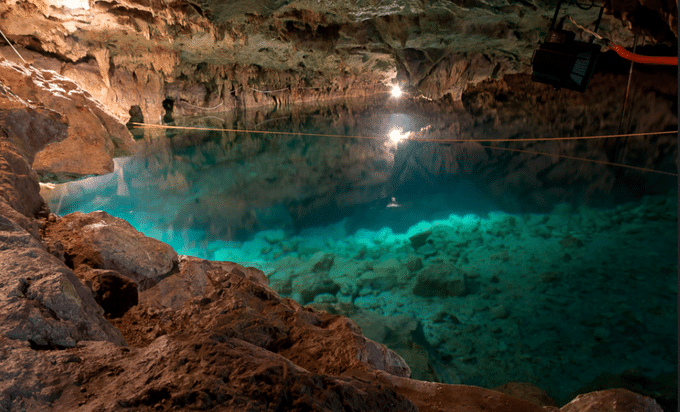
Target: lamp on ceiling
x: 562, y: 61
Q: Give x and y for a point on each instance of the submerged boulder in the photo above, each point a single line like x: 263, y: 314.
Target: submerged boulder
x: 440, y: 279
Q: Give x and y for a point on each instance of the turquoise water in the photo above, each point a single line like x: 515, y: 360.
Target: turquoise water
x: 469, y: 275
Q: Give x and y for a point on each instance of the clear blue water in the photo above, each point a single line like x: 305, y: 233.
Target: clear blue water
x: 559, y: 286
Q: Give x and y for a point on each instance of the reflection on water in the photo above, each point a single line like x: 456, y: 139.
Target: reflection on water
x: 478, y: 266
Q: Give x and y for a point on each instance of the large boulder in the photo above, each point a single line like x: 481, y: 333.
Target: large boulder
x: 41, y: 300
x: 102, y: 241
x: 441, y: 279
x: 612, y: 400
x: 81, y: 137
x: 221, y: 298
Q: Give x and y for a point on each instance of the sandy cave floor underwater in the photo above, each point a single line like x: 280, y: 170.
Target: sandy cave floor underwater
x: 464, y: 292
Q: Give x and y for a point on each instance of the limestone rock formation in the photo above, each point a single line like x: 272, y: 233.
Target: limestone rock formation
x: 42, y: 301
x: 102, y: 241
x: 208, y: 55
x: 613, y: 400
x: 71, y: 134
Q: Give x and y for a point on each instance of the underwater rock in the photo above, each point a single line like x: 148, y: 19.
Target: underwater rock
x: 41, y: 300
x: 414, y: 263
x: 499, y: 312
x: 614, y: 400
x: 345, y: 272
x: 391, y: 269
x: 307, y: 285
x: 441, y: 279
x: 420, y: 239
x: 321, y: 262
x: 102, y: 241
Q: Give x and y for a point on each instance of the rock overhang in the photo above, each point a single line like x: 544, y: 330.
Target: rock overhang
x: 436, y: 48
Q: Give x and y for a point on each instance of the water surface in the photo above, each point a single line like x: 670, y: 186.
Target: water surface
x: 478, y: 266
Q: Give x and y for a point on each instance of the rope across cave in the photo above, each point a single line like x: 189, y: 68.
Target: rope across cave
x: 432, y: 140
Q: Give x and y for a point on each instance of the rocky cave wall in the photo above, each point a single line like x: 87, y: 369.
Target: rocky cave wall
x: 216, y: 55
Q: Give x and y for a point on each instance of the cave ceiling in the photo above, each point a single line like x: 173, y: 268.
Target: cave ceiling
x: 436, y: 48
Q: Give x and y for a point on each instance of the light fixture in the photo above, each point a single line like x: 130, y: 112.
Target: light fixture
x: 562, y: 61
x: 396, y: 135
x: 396, y: 91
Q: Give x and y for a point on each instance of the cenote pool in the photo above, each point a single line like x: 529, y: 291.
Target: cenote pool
x: 477, y: 265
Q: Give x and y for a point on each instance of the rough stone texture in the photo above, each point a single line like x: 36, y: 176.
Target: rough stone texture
x: 437, y: 397
x: 114, y: 292
x: 216, y: 297
x: 102, y: 241
x: 527, y: 392
x: 663, y: 387
x: 210, y: 55
x: 185, y: 371
x: 612, y: 400
x: 18, y: 182
x: 41, y: 300
x: 71, y: 135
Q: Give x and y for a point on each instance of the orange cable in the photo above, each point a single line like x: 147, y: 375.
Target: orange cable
x: 638, y: 58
